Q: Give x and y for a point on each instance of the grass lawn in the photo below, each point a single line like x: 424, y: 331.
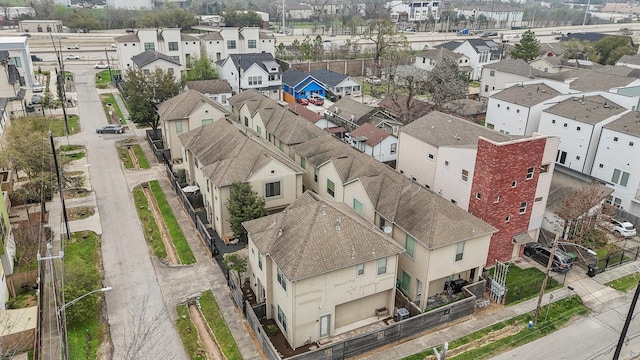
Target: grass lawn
x: 56, y: 125
x: 616, y: 256
x: 109, y: 99
x: 149, y: 226
x: 216, y: 322
x: 70, y: 147
x: 142, y: 159
x: 552, y: 317
x: 625, y: 283
x: 125, y: 157
x: 103, y: 77
x: 74, y: 156
x: 189, y: 334
x: 177, y: 236
x: 82, y: 254
x: 524, y: 284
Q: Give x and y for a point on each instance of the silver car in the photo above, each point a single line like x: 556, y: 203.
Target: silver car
x: 111, y: 129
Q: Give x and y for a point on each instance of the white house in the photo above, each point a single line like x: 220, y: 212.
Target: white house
x: 428, y: 59
x: 423, y: 10
x: 480, y: 53
x: 374, y: 141
x: 182, y: 48
x: 216, y: 90
x: 499, y: 14
x: 495, y: 76
x: 19, y: 55
x: 150, y: 61
x: 128, y: 4
x: 616, y: 161
x: 259, y: 71
x: 338, y: 84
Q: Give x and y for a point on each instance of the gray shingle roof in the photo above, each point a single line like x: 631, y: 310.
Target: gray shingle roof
x: 347, y: 107
x: 614, y: 70
x: 449, y: 45
x: 512, y: 66
x: 439, y: 53
x: 133, y: 37
x: 247, y: 60
x: 565, y: 181
x: 210, y: 86
x: 628, y: 123
x: 484, y: 45
x: 293, y: 77
x: 527, y: 95
x: 187, y: 37
x: 213, y: 35
x: 150, y: 56
x: 182, y: 105
x: 440, y: 129
x: 418, y: 211
x: 594, y: 81
x: 630, y: 59
x: 591, y: 112
x: 328, y: 77
x: 313, y: 237
x: 226, y: 154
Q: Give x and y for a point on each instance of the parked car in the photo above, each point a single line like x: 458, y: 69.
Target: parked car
x: 302, y: 101
x: 622, y: 228
x: 541, y: 253
x: 316, y: 99
x: 36, y: 99
x: 130, y: 30
x: 37, y: 87
x: 101, y: 65
x: 373, y: 80
x: 110, y: 129
x: 72, y: 57
x: 73, y: 47
x: 26, y: 35
x: 35, y: 58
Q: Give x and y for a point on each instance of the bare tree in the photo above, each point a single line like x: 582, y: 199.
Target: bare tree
x: 383, y: 34
x: 581, y: 210
x: 446, y: 82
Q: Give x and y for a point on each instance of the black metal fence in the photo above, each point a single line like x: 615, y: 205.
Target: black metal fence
x: 154, y: 138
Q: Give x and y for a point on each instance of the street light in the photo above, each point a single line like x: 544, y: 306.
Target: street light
x: 63, y: 307
x: 591, y: 252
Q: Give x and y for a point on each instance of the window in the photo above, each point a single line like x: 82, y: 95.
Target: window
x: 578, y: 157
x: 530, y: 173
x: 459, y: 251
x: 492, y: 73
x: 281, y: 145
x: 315, y: 174
x: 272, y: 189
x: 255, y: 80
x: 523, y: 208
x: 303, y: 162
x: 486, y: 88
x: 465, y: 175
x: 394, y: 146
x: 178, y: 127
x: 259, y: 130
x: 496, y: 199
x: 281, y: 279
x: 446, y: 163
x: 251, y: 44
x: 149, y: 46
x: 359, y: 269
x: 478, y: 196
x: 614, y: 201
x: 260, y: 261
x: 410, y: 245
x: 620, y: 177
x: 544, y: 168
x: 170, y: 70
x: 553, y: 121
x: 17, y: 61
x: 538, y: 199
x: 508, y: 218
x: 176, y: 58
x: 508, y: 108
x: 405, y: 282
x: 518, y: 111
x: 231, y: 44
x: 453, y: 201
x: 565, y: 125
x: 331, y: 188
x: 146, y: 72
x: 382, y: 266
x: 207, y: 122
x: 430, y: 156
x: 173, y: 46
x: 358, y: 207
x: 282, y: 319
x: 498, y: 105
x: 514, y: 184
x: 561, y: 157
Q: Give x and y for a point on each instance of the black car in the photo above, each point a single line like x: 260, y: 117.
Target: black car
x: 541, y: 253
x: 35, y: 58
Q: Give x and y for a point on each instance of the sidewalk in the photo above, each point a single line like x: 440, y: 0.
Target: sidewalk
x: 592, y: 290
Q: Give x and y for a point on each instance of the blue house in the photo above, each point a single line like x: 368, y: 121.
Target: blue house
x: 300, y: 84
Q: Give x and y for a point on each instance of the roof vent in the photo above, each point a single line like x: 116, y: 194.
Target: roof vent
x: 338, y: 224
x: 606, y: 106
x: 280, y: 232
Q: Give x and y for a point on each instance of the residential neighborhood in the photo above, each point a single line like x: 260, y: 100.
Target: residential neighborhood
x: 343, y: 180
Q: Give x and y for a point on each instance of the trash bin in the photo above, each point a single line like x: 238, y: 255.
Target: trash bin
x: 592, y: 270
x: 402, y: 314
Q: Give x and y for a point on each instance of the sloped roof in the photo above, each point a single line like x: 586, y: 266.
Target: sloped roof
x: 133, y: 37
x: 264, y: 35
x: 594, y: 81
x: 565, y: 181
x: 595, y: 108
x: 293, y: 77
x: 630, y: 59
x: 620, y: 70
x: 439, y: 53
x: 449, y: 45
x: 249, y: 94
x: 182, y: 105
x: 305, y: 112
x: 187, y: 37
x: 527, y: 95
x: 628, y: 123
x: 210, y: 86
x: 373, y: 134
x: 149, y: 56
x: 440, y: 129
x: 426, y: 216
x: 226, y: 154
x: 247, y: 60
x: 327, y: 77
x: 347, y: 107
x: 313, y: 237
x: 480, y: 45
x: 212, y: 35
x: 466, y: 107
x: 512, y: 66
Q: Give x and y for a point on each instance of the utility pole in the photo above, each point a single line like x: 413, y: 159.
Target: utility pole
x: 586, y: 12
x: 60, y: 78
x: 625, y: 328
x: 546, y: 278
x: 109, y: 64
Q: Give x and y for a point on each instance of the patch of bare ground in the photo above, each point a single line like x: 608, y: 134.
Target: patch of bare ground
x: 172, y: 255
x: 207, y: 339
x: 75, y: 193
x: 79, y: 213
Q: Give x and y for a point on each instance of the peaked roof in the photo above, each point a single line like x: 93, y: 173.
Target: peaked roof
x: 594, y: 80
x: 480, y: 45
x: 327, y: 77
x: 595, y: 108
x: 440, y: 129
x: 210, y: 86
x: 426, y: 216
x: 313, y: 237
x: 133, y: 37
x: 346, y: 107
x: 449, y: 45
x: 149, y: 56
x: 630, y: 59
x: 513, y: 66
x: 226, y: 154
x: 293, y: 77
x: 374, y: 135
x: 439, y: 53
x: 305, y: 112
x: 247, y: 60
x: 182, y: 105
x: 396, y: 105
x: 628, y: 123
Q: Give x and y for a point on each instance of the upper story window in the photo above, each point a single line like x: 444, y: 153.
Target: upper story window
x: 410, y: 245
x: 382, y: 266
x: 459, y: 251
x: 465, y: 175
x: 255, y: 80
x: 360, y: 269
x: 331, y: 188
x: 231, y: 44
x: 530, y: 172
x: 394, y: 148
x: 272, y: 189
x: 251, y: 44
x: 173, y: 46
x: 17, y: 61
x: 358, y: 206
x: 620, y: 177
x: 149, y: 46
x: 281, y: 279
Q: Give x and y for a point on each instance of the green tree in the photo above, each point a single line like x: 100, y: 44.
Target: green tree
x: 236, y: 263
x: 168, y: 18
x: 306, y: 49
x: 84, y: 21
x: 25, y: 148
x: 80, y: 279
x: 611, y: 48
x: 318, y: 48
x: 527, y: 48
x: 242, y: 19
x: 581, y: 50
x: 201, y: 68
x: 244, y: 204
x: 383, y: 33
x: 145, y: 92
x: 446, y: 82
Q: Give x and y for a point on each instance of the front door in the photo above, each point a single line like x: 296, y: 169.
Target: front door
x: 325, y: 321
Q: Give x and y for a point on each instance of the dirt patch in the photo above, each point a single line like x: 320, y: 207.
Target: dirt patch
x: 483, y: 341
x: 79, y: 213
x: 172, y: 255
x: 280, y: 342
x: 207, y: 339
x: 134, y: 158
x: 75, y: 193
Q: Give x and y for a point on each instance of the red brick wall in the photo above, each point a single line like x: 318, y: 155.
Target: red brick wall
x: 496, y: 168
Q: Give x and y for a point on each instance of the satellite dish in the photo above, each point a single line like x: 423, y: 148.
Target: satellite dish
x: 387, y: 229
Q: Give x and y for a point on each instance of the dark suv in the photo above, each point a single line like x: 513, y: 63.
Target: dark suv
x: 541, y: 252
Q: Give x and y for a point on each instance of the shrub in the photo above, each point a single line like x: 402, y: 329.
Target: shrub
x: 272, y: 330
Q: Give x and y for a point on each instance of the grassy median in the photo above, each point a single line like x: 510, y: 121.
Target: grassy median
x: 216, y: 322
